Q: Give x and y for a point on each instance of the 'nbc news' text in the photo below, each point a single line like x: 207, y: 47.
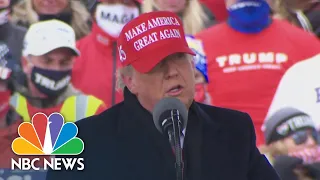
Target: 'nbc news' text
x: 46, y: 164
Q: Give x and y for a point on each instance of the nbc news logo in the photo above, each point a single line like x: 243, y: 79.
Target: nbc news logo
x: 47, y: 136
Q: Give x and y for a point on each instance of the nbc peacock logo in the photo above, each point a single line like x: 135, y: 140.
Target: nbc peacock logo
x: 47, y: 136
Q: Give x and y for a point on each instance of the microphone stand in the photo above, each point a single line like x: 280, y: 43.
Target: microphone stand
x: 174, y: 138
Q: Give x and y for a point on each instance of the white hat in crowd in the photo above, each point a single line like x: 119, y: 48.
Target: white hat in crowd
x: 45, y: 36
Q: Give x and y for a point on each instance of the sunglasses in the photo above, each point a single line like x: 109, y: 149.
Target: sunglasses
x: 301, y: 137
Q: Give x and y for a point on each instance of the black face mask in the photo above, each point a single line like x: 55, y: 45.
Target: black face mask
x: 49, y: 82
x: 65, y: 17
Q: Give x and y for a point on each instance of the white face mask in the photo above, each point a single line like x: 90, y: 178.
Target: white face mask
x: 4, y: 16
x: 112, y: 18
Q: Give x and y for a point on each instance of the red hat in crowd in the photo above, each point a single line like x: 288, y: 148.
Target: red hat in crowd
x: 149, y: 38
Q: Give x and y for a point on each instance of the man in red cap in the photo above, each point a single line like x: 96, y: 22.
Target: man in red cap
x: 123, y: 142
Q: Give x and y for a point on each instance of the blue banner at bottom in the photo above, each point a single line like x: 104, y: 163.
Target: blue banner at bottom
x: 8, y: 174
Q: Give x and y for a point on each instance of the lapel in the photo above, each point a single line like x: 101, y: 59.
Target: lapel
x: 215, y: 145
x: 142, y: 148
x: 204, y: 137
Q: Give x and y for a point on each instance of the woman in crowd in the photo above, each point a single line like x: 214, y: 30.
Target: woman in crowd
x: 72, y: 12
x: 303, y: 13
x: 195, y: 16
x: 292, y: 144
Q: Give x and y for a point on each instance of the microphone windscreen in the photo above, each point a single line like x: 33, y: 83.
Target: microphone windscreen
x: 169, y: 103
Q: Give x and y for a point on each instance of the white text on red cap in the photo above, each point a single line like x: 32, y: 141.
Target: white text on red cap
x: 154, y: 36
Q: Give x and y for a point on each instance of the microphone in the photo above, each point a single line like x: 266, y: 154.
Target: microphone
x: 170, y: 118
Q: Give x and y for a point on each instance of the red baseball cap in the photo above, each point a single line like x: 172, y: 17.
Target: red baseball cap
x: 149, y: 38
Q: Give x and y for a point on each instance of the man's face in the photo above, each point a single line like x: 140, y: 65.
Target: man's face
x: 172, y: 77
x: 4, y: 3
x: 59, y: 60
x: 50, y: 6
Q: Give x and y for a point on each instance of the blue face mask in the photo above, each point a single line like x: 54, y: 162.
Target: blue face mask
x: 49, y: 82
x: 249, y: 16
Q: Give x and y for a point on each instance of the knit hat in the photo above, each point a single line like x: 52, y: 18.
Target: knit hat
x: 285, y: 122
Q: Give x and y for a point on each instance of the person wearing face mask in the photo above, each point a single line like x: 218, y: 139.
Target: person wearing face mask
x: 94, y: 71
x: 201, y: 74
x: 72, y: 12
x: 292, y: 144
x: 250, y: 47
x: 10, y: 33
x: 48, y: 58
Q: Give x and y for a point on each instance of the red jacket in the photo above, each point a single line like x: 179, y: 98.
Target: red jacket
x: 244, y: 69
x: 94, y: 72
